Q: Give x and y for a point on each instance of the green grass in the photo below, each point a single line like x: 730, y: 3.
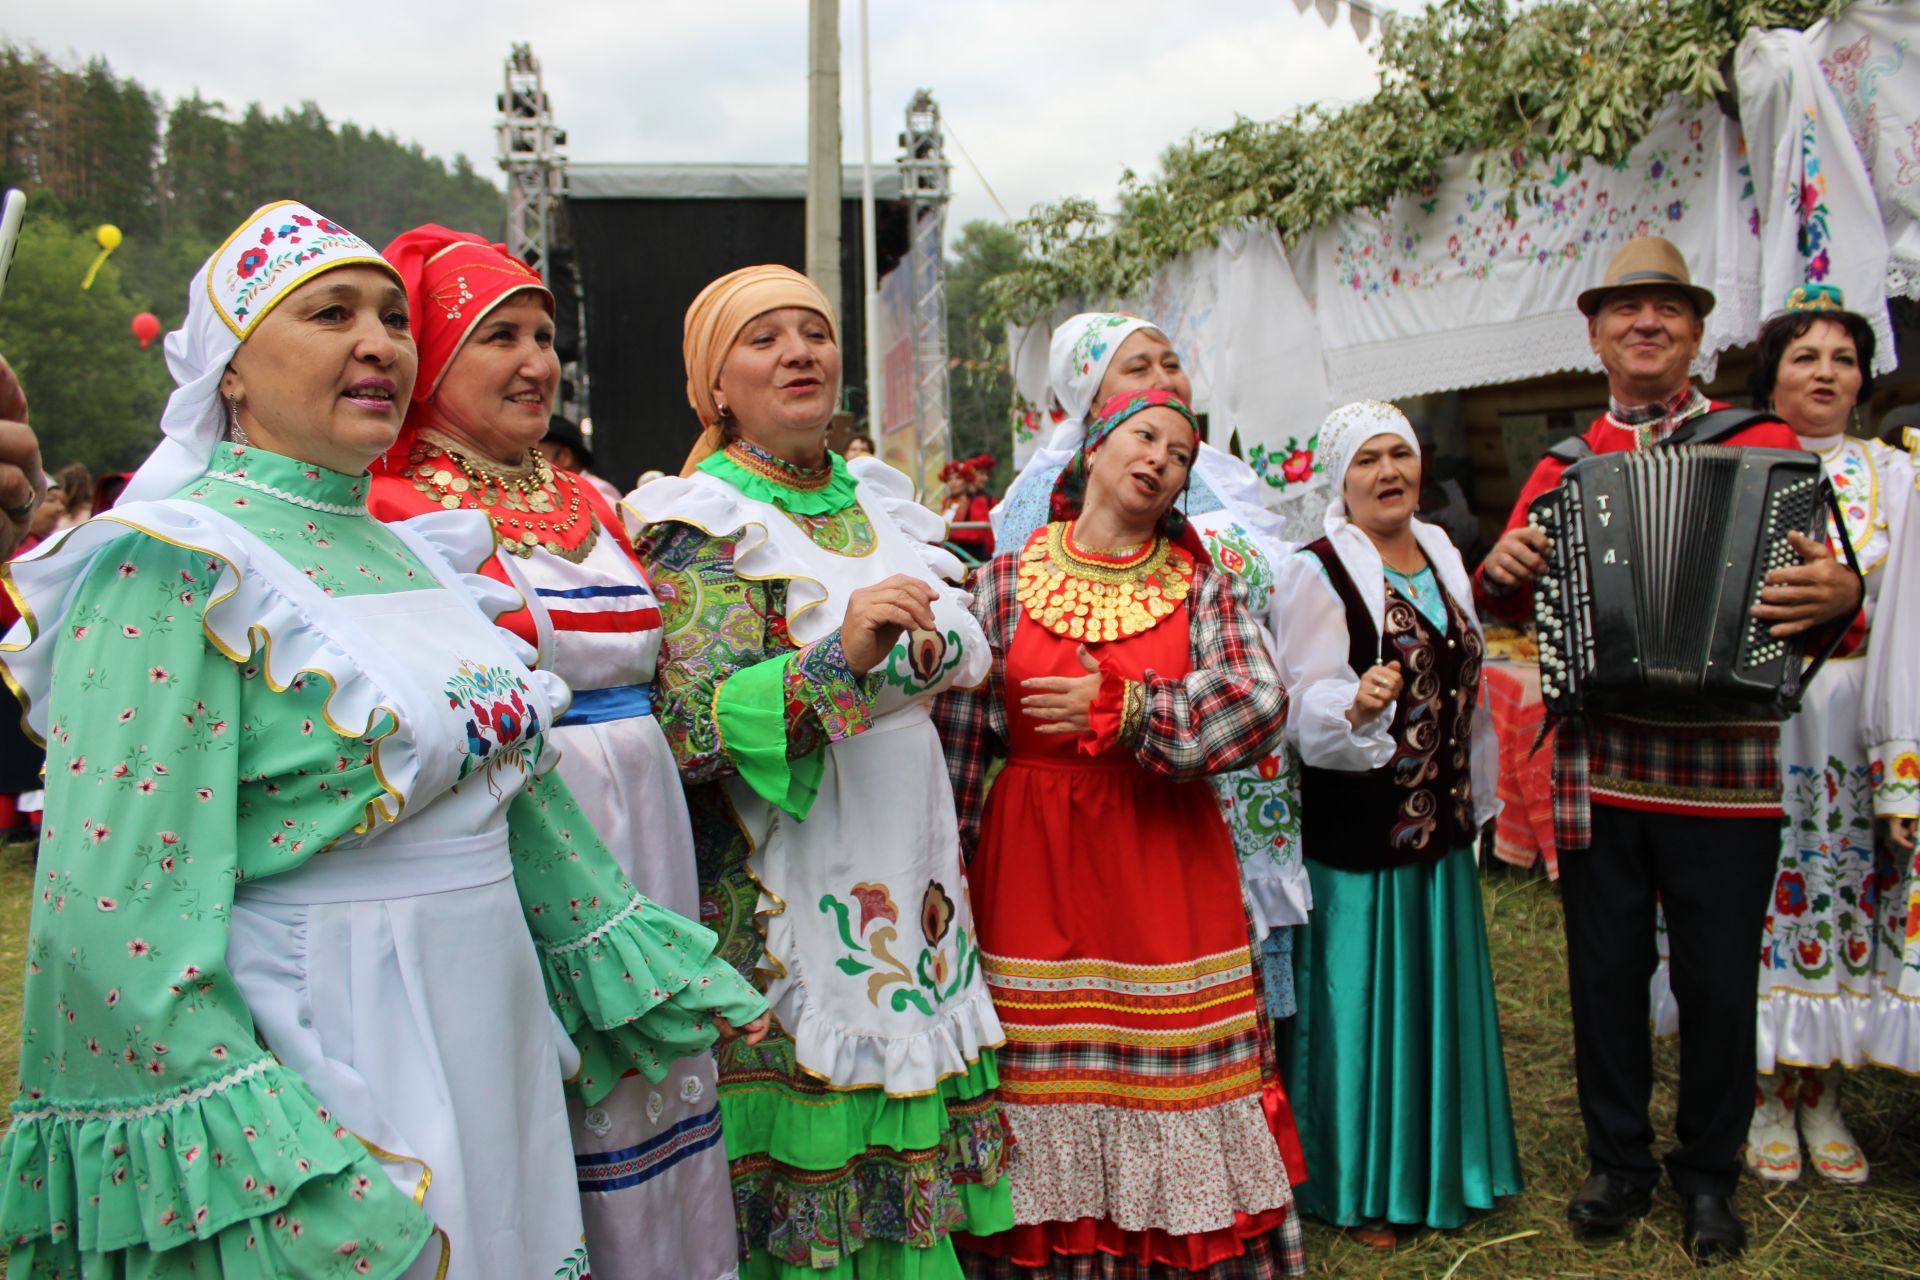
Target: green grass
x: 1809, y: 1231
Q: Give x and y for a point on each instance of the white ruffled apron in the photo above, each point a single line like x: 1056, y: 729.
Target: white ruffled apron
x: 651, y: 1166
x: 394, y: 972
x: 871, y: 934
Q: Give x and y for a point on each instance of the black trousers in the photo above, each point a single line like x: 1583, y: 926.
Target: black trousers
x: 1713, y: 877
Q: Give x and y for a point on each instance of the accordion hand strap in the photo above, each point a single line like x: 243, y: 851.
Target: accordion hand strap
x: 1840, y: 624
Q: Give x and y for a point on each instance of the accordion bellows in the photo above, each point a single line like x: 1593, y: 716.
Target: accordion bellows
x: 1657, y: 558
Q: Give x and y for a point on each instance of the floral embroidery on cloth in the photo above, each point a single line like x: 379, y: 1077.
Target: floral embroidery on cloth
x: 287, y: 240
x: 503, y: 726
x: 1292, y: 463
x: 938, y: 973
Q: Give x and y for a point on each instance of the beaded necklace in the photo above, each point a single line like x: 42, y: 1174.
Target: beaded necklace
x: 530, y: 504
x: 1096, y: 596
x: 784, y: 474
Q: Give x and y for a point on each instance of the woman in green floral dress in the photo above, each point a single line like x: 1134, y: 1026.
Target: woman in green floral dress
x: 317, y: 935
x: 807, y: 627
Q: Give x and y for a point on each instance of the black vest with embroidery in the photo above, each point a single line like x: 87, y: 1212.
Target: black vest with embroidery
x: 1417, y: 807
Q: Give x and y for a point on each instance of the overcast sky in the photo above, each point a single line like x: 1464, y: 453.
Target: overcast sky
x: 1050, y: 98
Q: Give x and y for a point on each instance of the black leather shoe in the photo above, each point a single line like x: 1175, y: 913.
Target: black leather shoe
x: 1713, y: 1232
x: 1606, y: 1203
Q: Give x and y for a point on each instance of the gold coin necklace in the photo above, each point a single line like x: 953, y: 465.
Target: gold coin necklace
x: 530, y: 504
x: 1099, y: 596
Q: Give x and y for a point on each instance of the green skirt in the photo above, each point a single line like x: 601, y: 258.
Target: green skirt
x: 1397, y: 1081
x: 850, y: 1184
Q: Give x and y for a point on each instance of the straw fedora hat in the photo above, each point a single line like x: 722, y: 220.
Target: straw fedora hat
x: 1646, y: 260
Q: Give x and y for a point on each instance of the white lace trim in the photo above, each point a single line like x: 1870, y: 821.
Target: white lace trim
x: 205, y: 1091
x: 297, y: 499
x: 1903, y: 279
x: 561, y: 949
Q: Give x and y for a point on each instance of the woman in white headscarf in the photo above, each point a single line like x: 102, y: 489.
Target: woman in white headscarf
x: 239, y: 1057
x: 1397, y: 1074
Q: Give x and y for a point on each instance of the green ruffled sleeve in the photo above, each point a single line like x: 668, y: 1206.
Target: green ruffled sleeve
x: 152, y: 1135
x: 634, y: 984
x: 736, y: 695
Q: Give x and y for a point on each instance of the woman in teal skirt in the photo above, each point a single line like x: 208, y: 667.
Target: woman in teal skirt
x: 1397, y: 1078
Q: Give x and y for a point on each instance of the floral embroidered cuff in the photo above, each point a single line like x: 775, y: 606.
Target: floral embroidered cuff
x: 1894, y: 769
x: 1118, y: 716
x: 819, y: 677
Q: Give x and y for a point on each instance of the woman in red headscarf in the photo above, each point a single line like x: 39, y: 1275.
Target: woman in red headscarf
x: 1138, y: 1076
x: 967, y: 503
x: 653, y: 1173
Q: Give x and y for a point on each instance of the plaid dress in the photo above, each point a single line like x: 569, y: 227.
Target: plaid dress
x: 1151, y: 1135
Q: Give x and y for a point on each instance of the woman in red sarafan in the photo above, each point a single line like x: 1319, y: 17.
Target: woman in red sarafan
x: 1153, y: 1138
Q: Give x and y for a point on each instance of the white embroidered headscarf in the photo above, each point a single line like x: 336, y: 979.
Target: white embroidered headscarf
x: 1077, y: 358
x: 1077, y: 361
x: 1345, y: 430
x: 1342, y: 434
x: 280, y: 247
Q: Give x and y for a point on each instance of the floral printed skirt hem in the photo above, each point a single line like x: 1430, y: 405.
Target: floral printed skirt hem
x: 824, y: 1177
x: 1816, y: 952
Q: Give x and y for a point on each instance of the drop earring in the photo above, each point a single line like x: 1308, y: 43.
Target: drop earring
x: 236, y: 432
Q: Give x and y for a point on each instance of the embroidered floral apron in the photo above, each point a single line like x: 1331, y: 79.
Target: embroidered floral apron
x: 873, y: 941
x: 394, y: 972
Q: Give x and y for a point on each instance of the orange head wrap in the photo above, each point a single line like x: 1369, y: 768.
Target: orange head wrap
x: 453, y: 280
x: 715, y: 319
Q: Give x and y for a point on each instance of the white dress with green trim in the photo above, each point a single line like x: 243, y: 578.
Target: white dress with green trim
x: 317, y: 941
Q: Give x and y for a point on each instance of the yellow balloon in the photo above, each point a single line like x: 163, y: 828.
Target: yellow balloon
x: 109, y: 236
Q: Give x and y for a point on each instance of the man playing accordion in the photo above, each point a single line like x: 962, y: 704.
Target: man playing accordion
x: 1683, y: 804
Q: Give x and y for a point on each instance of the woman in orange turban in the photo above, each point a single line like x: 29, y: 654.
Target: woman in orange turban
x: 808, y: 625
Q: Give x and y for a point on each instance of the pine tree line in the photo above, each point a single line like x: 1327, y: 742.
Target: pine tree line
x: 89, y: 147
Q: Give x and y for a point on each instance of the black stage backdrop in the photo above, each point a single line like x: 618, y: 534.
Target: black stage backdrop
x: 640, y: 263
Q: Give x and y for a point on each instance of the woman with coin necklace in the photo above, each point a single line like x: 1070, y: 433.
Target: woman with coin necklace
x: 652, y: 1171
x: 1138, y: 1075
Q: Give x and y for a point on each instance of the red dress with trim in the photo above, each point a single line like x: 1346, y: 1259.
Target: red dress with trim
x: 1138, y: 1073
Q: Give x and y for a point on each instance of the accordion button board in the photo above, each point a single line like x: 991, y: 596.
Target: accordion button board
x: 1655, y: 560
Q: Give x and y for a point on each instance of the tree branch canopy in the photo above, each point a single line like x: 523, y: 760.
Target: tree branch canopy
x: 1481, y: 78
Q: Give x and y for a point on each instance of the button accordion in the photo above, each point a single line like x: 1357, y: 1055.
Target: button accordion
x: 1656, y: 559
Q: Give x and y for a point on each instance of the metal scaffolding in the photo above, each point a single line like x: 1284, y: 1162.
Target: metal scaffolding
x: 532, y: 152
x: 926, y: 185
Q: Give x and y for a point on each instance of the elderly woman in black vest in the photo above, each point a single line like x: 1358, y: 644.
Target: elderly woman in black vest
x: 1397, y: 1075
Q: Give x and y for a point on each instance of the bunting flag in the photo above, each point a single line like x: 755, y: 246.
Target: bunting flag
x: 1363, y: 16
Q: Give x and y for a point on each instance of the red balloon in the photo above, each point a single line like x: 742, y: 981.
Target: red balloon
x: 146, y: 327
